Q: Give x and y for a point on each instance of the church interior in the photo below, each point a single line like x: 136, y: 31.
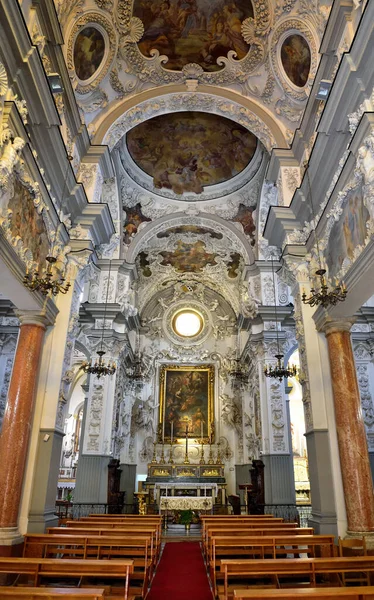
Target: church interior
x: 186, y: 296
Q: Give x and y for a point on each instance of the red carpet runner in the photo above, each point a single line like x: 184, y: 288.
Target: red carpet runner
x: 181, y: 574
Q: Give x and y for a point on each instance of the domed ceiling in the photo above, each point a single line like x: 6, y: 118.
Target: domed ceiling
x: 187, y: 151
x: 193, y: 31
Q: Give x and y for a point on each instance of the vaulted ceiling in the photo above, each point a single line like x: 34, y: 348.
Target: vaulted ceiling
x: 191, y: 96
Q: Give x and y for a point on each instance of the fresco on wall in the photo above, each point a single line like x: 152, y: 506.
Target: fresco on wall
x: 186, y: 229
x: 295, y: 57
x: 27, y: 224
x: 245, y: 217
x: 134, y: 217
x: 89, y: 51
x: 186, y: 151
x: 143, y: 263
x: 193, y: 31
x: 233, y: 265
x: 347, y: 233
x: 188, y: 258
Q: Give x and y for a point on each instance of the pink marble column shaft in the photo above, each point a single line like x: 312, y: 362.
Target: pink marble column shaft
x: 353, y: 451
x: 17, y: 419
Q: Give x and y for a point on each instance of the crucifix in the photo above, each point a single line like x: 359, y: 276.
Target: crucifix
x: 186, y: 459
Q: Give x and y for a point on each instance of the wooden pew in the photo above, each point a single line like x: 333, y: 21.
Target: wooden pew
x: 245, y: 532
x: 137, y: 549
x: 351, y: 593
x: 37, y: 569
x: 28, y: 593
x: 227, y: 523
x: 247, y: 526
x: 257, y: 547
x: 109, y: 529
x: 310, y: 570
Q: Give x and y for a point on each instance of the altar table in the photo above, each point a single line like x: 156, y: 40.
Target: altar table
x: 186, y: 503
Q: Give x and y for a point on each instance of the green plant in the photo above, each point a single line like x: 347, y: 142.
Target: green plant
x: 69, y: 497
x: 186, y: 517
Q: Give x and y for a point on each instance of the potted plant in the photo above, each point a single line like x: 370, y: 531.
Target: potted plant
x: 186, y: 518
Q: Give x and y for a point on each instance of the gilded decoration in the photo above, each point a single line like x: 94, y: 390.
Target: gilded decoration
x: 85, y: 53
x: 186, y: 400
x: 189, y: 31
x: 292, y: 60
x: 186, y: 151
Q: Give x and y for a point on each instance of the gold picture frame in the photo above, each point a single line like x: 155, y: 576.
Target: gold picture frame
x: 186, y: 399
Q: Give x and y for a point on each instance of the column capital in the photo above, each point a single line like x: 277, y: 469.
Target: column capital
x: 328, y: 325
x: 32, y: 317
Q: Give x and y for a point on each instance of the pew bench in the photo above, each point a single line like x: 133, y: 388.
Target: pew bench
x: 108, y: 531
x: 351, y: 593
x: 258, y: 547
x: 37, y: 570
x: 289, y: 573
x: 97, y: 547
x: 249, y: 532
x: 135, y: 527
x: 28, y: 593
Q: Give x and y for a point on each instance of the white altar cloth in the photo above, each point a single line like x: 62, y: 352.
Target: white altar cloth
x: 186, y: 503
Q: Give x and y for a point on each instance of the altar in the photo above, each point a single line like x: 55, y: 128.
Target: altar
x: 196, y: 482
x: 200, y: 503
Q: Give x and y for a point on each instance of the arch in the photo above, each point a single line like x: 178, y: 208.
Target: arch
x: 227, y: 227
x: 112, y: 123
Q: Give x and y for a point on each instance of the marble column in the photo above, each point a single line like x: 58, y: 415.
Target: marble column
x: 17, y: 418
x: 353, y: 451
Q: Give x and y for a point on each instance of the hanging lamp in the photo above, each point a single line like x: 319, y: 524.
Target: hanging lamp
x: 326, y: 295
x: 44, y: 282
x: 279, y: 371
x: 100, y: 368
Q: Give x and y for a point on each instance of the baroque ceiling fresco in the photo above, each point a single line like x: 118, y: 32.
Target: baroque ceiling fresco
x: 187, y: 151
x: 193, y: 31
x: 191, y: 96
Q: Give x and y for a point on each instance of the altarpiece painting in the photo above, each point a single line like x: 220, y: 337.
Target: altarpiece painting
x: 186, y: 401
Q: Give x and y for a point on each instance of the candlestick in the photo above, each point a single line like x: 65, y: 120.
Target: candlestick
x: 202, y: 458
x: 154, y: 457
x: 162, y: 457
x: 210, y: 460
x: 186, y: 459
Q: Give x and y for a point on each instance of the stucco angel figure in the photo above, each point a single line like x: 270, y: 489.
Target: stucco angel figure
x: 231, y: 413
x: 249, y: 304
x: 9, y: 160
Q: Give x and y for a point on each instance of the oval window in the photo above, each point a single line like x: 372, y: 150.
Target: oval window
x: 187, y: 323
x: 295, y: 57
x: 89, y: 51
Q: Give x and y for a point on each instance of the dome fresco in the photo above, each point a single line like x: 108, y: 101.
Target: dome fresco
x: 187, y: 151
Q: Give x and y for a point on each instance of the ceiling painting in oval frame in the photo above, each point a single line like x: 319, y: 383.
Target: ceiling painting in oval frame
x: 187, y: 151
x: 89, y: 49
x: 193, y: 31
x: 296, y: 59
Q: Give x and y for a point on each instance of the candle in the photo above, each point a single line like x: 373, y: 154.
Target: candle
x: 201, y: 430
x: 171, y: 432
x: 163, y: 431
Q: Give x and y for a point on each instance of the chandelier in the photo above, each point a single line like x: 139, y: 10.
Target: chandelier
x: 100, y: 367
x: 136, y: 372
x: 238, y: 372
x: 45, y: 283
x: 278, y: 371
x: 325, y: 295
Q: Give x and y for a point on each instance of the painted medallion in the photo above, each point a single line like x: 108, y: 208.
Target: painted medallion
x: 296, y: 58
x: 89, y: 51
